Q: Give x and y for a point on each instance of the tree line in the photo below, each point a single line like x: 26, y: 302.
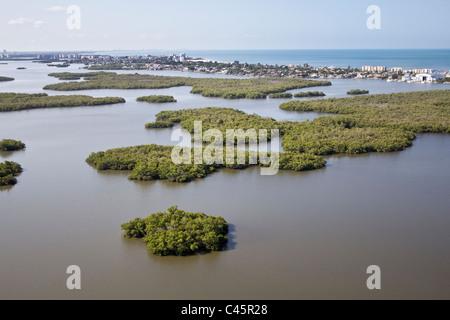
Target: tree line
x: 157, y: 99
x: 251, y: 88
x: 24, y: 101
x: 6, y: 79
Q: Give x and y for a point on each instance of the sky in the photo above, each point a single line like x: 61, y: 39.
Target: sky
x: 30, y: 25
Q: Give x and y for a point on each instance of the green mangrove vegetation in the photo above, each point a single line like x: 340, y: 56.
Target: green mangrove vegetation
x: 444, y: 80
x: 114, y: 66
x: 8, y: 172
x: 355, y: 92
x: 11, y: 145
x: 178, y: 232
x: 251, y: 88
x: 309, y: 94
x: 157, y: 99
x: 217, y: 118
x: 377, y: 123
x: 281, y: 95
x: 159, y: 125
x: 6, y: 79
x: 153, y: 162
x: 23, y: 101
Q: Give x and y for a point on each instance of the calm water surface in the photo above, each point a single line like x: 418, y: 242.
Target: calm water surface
x: 307, y: 235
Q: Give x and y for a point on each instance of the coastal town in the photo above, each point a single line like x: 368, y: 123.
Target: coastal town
x: 183, y: 63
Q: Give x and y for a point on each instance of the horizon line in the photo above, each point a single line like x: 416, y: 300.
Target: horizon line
x: 186, y: 49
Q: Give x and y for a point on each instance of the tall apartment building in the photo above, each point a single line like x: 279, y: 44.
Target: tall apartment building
x: 378, y: 69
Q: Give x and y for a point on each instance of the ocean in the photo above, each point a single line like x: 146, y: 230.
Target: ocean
x: 438, y: 59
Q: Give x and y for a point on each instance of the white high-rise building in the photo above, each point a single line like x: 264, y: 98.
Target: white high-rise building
x: 378, y: 69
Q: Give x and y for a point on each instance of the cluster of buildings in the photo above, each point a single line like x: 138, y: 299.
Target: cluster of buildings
x: 182, y: 62
x: 400, y: 74
x: 181, y: 58
x: 377, y: 69
x: 57, y: 56
x: 424, y: 77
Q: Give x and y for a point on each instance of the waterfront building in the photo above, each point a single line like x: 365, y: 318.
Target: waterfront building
x: 378, y: 69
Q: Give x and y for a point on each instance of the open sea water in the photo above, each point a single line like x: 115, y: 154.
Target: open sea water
x: 438, y: 59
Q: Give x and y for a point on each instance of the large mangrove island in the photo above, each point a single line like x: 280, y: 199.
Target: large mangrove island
x: 254, y: 88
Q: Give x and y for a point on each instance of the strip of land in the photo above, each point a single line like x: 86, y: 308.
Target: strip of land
x: 23, y: 101
x: 157, y: 99
x: 6, y: 79
x: 254, y: 88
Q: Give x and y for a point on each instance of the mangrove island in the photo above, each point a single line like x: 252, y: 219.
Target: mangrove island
x: 178, y: 232
x: 24, y: 101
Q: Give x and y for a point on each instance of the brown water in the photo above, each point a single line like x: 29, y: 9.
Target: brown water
x: 307, y: 235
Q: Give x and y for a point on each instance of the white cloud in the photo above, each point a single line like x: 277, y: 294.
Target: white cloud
x: 56, y: 9
x: 20, y: 21
x: 23, y: 21
x: 39, y: 23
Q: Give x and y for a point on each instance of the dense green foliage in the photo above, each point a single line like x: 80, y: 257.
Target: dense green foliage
x: 252, y: 88
x: 157, y: 99
x: 11, y: 145
x: 217, y: 118
x: 153, y: 162
x: 8, y: 172
x: 23, y: 101
x: 6, y: 79
x: 178, y: 232
x: 325, y: 136
x: 376, y: 123
x: 309, y: 94
x: 355, y: 92
x: 281, y: 95
x: 148, y: 162
x: 423, y: 111
x: 159, y: 125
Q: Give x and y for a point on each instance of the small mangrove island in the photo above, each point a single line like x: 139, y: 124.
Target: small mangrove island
x: 281, y: 95
x: 24, y: 101
x: 157, y: 99
x: 11, y: 145
x: 355, y: 92
x: 309, y: 94
x: 8, y: 172
x: 6, y: 79
x: 178, y: 232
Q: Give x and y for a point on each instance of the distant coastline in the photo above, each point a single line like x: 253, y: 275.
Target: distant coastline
x: 438, y: 59
x: 424, y: 65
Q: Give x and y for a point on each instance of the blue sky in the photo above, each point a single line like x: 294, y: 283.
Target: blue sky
x: 28, y: 25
